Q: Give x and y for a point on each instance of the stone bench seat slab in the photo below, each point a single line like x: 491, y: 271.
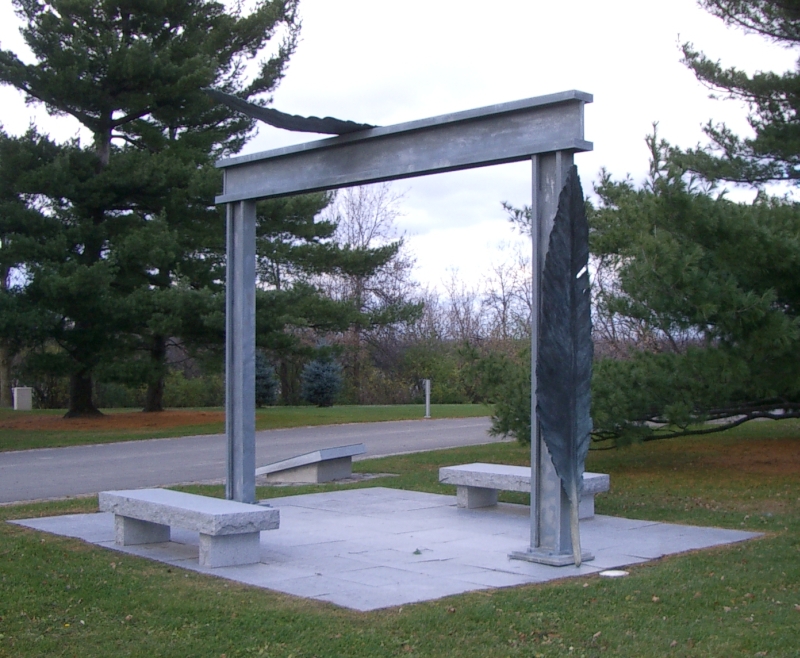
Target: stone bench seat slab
x: 477, y: 484
x: 323, y: 465
x: 229, y: 530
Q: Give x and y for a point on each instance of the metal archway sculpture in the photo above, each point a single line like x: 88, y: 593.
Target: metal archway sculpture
x: 547, y: 130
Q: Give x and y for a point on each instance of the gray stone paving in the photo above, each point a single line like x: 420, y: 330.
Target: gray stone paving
x: 373, y: 548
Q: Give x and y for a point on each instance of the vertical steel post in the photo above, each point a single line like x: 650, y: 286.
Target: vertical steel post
x: 240, y: 352
x: 550, y: 536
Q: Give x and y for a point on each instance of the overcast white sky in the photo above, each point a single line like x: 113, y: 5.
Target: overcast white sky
x: 386, y: 63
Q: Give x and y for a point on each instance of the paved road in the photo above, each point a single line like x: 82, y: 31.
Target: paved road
x: 58, y: 472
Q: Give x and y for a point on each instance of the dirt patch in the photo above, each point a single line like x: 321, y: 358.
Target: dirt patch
x: 757, y: 456
x: 134, y: 420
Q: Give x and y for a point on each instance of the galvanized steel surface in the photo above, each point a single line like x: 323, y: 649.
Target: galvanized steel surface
x: 497, y: 134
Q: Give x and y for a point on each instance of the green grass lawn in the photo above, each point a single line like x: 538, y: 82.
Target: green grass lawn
x: 25, y: 438
x: 61, y: 597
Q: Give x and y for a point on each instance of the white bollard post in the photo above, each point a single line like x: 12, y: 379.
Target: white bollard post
x: 427, y: 397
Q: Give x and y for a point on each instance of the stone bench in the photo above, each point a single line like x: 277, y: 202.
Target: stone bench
x: 477, y: 484
x: 229, y: 530
x: 319, y: 466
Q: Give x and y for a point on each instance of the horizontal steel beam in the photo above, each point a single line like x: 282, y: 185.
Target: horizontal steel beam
x: 497, y: 134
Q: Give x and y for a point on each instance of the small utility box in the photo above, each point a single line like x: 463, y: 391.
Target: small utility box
x: 23, y: 398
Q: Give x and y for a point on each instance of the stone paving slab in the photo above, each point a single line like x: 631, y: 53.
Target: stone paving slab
x: 373, y: 548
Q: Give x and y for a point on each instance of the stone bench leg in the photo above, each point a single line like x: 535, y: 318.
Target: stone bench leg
x: 586, y: 507
x: 129, y: 532
x: 472, y: 497
x: 229, y: 550
x: 334, y: 469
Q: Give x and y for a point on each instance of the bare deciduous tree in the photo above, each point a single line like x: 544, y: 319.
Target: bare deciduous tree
x: 506, y: 296
x: 386, y: 298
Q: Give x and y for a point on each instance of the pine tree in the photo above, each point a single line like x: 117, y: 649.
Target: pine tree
x: 714, y: 284
x: 384, y: 296
x: 266, y: 381
x: 710, y: 286
x: 322, y: 381
x: 297, y: 253
x: 136, y: 207
x: 773, y: 154
x: 24, y: 234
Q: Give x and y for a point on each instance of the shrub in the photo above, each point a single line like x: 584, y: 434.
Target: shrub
x: 322, y: 381
x: 113, y: 395
x: 206, y: 391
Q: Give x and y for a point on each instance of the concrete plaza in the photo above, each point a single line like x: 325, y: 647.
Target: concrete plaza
x: 373, y: 548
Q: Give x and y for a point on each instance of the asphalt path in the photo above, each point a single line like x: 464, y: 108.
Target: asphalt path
x: 79, y: 470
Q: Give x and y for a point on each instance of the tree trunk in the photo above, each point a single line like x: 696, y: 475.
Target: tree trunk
x: 81, y: 386
x: 154, y: 397
x: 155, y: 387
x: 357, y: 367
x: 80, y: 396
x: 5, y: 376
x: 5, y: 353
x: 287, y: 373
x: 283, y: 373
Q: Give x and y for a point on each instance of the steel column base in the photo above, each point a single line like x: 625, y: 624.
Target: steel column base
x: 550, y: 559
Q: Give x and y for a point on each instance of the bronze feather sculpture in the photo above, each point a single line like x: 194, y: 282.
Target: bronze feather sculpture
x: 327, y: 125
x: 564, y: 363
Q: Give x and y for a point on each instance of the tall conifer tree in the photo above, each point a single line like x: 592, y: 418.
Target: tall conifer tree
x: 773, y: 152
x: 135, y: 207
x: 297, y: 254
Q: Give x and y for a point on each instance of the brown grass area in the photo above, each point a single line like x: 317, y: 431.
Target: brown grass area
x: 758, y: 457
x: 116, y: 421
